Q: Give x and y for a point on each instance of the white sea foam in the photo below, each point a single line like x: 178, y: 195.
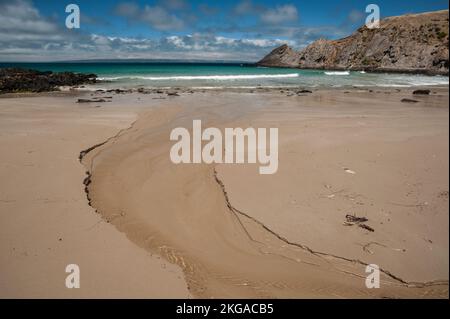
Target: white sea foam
x: 203, y: 77
x: 337, y: 73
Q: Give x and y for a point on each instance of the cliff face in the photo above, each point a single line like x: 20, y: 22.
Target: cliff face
x: 409, y: 43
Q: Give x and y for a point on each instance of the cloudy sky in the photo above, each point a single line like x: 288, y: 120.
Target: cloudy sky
x: 234, y: 30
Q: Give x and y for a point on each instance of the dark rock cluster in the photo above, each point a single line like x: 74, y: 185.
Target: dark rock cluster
x: 14, y: 80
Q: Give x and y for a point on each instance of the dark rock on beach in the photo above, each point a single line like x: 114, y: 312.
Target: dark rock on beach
x: 422, y: 92
x: 409, y: 101
x: 119, y: 91
x: 95, y: 100
x: 23, y: 80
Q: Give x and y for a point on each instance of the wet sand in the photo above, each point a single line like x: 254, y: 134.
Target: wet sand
x: 236, y: 233
x: 231, y: 232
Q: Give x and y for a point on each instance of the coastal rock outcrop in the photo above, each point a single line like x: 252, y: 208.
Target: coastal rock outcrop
x: 23, y: 80
x: 282, y: 56
x: 415, y: 43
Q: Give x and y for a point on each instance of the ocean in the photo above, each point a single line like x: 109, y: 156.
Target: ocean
x: 226, y: 75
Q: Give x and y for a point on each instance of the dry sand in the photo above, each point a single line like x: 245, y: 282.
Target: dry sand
x: 45, y: 221
x: 230, y: 231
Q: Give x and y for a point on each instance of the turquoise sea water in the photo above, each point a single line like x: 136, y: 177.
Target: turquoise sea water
x: 212, y: 75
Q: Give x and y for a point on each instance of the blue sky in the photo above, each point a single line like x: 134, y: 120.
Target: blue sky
x: 242, y: 30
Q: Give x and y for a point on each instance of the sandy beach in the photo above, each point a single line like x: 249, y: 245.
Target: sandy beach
x: 146, y: 227
x: 46, y: 222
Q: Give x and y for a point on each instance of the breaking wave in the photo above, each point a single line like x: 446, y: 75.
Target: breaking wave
x: 338, y: 73
x: 203, y: 77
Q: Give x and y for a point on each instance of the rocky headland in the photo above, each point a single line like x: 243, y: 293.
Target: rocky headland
x: 412, y: 43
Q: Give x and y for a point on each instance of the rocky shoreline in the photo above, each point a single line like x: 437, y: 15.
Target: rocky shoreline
x: 17, y: 80
x: 414, y: 43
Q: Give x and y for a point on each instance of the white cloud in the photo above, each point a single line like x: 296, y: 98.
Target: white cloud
x: 266, y: 43
x: 225, y: 41
x: 280, y: 14
x: 177, y: 41
x: 26, y: 35
x: 20, y: 16
x: 157, y: 17
x: 161, y: 19
x: 100, y: 40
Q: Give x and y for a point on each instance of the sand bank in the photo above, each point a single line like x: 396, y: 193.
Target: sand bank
x: 236, y: 233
